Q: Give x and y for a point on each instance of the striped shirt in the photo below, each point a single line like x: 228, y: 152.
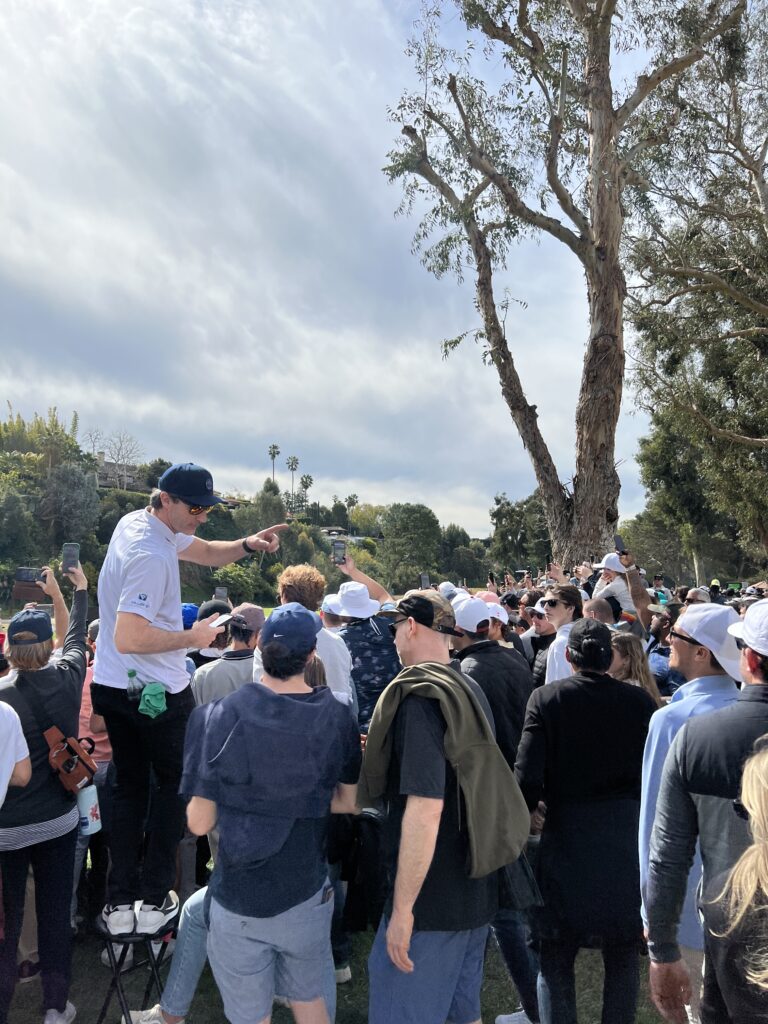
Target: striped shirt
x: 40, y: 832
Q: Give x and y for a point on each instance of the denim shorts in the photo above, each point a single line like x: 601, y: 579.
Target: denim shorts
x: 252, y: 958
x: 443, y: 986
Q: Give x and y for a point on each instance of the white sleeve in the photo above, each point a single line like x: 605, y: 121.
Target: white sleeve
x: 13, y: 734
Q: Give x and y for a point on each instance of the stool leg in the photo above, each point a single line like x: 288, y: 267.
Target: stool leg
x: 116, y: 963
x: 154, y: 975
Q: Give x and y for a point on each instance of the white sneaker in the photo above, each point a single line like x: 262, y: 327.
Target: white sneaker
x: 150, y: 919
x: 281, y: 1001
x: 170, y: 945
x: 116, y: 949
x: 518, y: 1017
x: 343, y: 974
x: 119, y: 920
x: 57, y: 1017
x: 154, y: 1015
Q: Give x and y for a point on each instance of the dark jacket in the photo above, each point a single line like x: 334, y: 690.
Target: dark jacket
x: 60, y: 688
x: 497, y: 820
x: 506, y: 680
x: 700, y: 781
x: 727, y: 997
x: 540, y: 645
x: 581, y: 752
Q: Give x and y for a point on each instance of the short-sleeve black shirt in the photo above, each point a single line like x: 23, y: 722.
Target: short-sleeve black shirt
x: 449, y: 899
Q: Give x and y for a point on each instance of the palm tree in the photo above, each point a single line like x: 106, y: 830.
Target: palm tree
x: 293, y: 464
x: 306, y: 482
x: 273, y: 451
x: 352, y: 500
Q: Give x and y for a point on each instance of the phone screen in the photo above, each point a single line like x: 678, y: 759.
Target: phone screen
x: 221, y: 621
x: 338, y: 551
x: 70, y: 557
x: 220, y: 594
x: 424, y: 583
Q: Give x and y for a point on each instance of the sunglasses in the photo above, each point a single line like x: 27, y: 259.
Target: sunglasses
x: 536, y: 615
x: 674, y: 635
x: 551, y: 602
x: 194, y: 510
x: 393, y: 626
x: 740, y: 809
x: 740, y: 643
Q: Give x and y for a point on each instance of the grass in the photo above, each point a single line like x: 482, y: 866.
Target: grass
x: 90, y: 981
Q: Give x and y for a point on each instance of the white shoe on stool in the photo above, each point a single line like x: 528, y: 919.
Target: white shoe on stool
x: 59, y: 1017
x: 518, y: 1017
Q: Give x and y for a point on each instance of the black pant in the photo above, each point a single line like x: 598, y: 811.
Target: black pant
x: 53, y: 864
x: 144, y: 748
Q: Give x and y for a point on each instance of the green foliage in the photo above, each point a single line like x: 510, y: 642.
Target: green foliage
x: 18, y: 544
x: 150, y: 472
x: 411, y: 545
x: 69, y: 504
x: 244, y: 582
x: 365, y: 519
x: 520, y: 535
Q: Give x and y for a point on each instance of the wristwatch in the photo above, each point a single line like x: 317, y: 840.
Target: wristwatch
x: 248, y: 550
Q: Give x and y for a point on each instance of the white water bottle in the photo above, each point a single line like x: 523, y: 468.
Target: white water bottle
x: 88, y: 809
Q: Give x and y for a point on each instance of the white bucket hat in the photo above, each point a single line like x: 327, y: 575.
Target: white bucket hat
x: 355, y: 602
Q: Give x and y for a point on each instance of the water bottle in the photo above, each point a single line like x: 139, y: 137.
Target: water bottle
x: 134, y: 686
x: 88, y: 810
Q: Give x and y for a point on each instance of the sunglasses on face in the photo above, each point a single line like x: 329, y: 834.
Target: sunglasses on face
x: 194, y: 510
x: 674, y: 635
x: 693, y: 600
x: 740, y: 643
x: 536, y: 615
x: 393, y: 626
x: 551, y: 602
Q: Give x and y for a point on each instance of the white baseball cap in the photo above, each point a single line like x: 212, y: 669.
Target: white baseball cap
x: 470, y: 613
x: 753, y: 627
x: 710, y: 626
x: 497, y: 611
x: 611, y: 561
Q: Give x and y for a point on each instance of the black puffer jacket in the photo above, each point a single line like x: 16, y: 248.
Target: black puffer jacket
x: 540, y: 646
x: 60, y: 688
x: 505, y: 678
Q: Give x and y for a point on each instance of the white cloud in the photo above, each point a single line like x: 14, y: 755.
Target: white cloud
x: 199, y: 247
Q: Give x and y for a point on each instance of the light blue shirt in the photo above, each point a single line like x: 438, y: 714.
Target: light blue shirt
x: 696, y: 697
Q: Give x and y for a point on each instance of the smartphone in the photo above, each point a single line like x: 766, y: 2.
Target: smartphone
x: 222, y: 620
x: 220, y: 594
x: 25, y: 574
x: 338, y: 551
x: 618, y: 543
x: 491, y: 577
x: 424, y: 583
x: 70, y: 557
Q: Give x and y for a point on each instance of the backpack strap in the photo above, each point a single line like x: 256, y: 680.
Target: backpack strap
x: 51, y: 732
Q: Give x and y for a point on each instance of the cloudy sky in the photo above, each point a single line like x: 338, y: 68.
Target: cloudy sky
x: 198, y: 246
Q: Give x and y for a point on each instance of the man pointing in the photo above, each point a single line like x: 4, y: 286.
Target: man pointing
x: 141, y: 686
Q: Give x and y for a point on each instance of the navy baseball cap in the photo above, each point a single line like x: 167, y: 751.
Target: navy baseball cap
x: 292, y: 625
x: 193, y: 484
x: 30, y: 620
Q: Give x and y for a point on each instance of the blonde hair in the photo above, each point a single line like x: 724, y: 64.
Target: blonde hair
x: 31, y: 655
x: 637, y: 671
x: 302, y: 583
x: 746, y: 890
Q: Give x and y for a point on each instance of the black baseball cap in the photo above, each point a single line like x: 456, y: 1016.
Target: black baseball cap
x: 593, y: 637
x: 430, y: 609
x: 191, y: 483
x: 30, y: 620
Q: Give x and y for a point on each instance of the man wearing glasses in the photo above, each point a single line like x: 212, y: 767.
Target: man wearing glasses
x: 700, y: 782
x: 705, y: 654
x: 141, y: 633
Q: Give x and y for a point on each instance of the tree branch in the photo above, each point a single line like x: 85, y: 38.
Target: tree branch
x: 714, y: 282
x: 564, y: 197
x: 646, y: 84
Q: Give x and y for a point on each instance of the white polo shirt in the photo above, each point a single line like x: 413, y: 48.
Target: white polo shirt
x: 141, y: 575
x: 13, y: 746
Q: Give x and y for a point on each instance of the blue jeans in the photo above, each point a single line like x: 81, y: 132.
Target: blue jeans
x: 189, y: 960
x: 557, y: 985
x: 511, y: 931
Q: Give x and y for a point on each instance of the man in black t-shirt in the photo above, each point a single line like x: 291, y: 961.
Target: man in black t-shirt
x: 426, y: 965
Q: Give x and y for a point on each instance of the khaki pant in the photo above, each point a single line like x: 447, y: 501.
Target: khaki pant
x: 694, y: 959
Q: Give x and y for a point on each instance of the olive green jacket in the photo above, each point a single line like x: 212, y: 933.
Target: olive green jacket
x: 498, y: 819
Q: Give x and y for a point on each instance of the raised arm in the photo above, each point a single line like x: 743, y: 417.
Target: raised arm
x: 377, y: 592
x: 216, y: 553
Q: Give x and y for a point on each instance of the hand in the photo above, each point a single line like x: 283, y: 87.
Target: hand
x: 527, y: 582
x: 266, y: 540
x: 77, y: 578
x: 491, y: 586
x: 627, y: 559
x: 538, y: 817
x: 202, y: 633
x: 671, y: 990
x: 556, y: 572
x: 49, y: 585
x: 348, y: 565
x: 399, y: 933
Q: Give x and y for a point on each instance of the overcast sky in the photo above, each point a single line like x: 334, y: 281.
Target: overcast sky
x: 198, y: 246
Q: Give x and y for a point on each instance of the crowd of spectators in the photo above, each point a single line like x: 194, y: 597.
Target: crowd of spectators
x: 563, y: 761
